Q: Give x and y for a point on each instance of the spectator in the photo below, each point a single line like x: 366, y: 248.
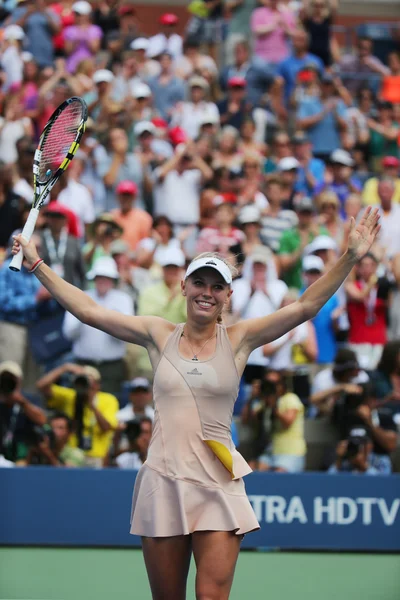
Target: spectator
x: 167, y: 89
x: 93, y: 411
x: 82, y: 39
x: 127, y: 79
x: 177, y: 187
x: 151, y: 249
x: 167, y: 40
x: 394, y: 314
x: 390, y: 169
x: 300, y: 57
x: 383, y: 135
x: 40, y: 23
x: 361, y: 65
x: 368, y: 299
x: 139, y: 402
x: 294, y: 241
x: 223, y: 235
x: 51, y: 446
x: 193, y: 62
x: 61, y: 251
x: 339, y: 178
x: 317, y: 17
x: 76, y: 197
x: 13, y: 126
x: 275, y: 220
x: 352, y: 456
x: 94, y: 347
x: 164, y: 299
x: 329, y: 217
x: 235, y: 108
x: 119, y: 165
x: 258, y: 74
x: 329, y: 385
x: 135, y: 222
x: 391, y: 82
x: 10, y: 208
x: 20, y: 298
x: 288, y: 447
x: 323, y: 117
x: 325, y: 323
x: 390, y: 217
x: 139, y: 434
x: 311, y: 170
x: 11, y: 60
x: 189, y: 115
x: 104, y: 231
x: 256, y: 297
x: 18, y: 416
x: 227, y: 152
x: 386, y: 380
x: 281, y: 148
x: 357, y: 412
x: 238, y: 25
x: 272, y: 27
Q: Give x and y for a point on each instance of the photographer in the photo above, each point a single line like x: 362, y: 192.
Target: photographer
x: 18, y: 416
x: 138, y: 433
x: 93, y: 412
x: 50, y: 444
x: 356, y: 410
x: 352, y: 455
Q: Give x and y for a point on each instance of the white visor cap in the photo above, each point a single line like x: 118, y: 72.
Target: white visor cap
x: 211, y: 263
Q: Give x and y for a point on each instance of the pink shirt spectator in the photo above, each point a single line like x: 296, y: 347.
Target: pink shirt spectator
x: 82, y: 49
x: 212, y: 239
x: 272, y: 47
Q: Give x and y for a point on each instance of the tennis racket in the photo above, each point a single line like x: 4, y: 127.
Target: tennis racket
x: 57, y: 146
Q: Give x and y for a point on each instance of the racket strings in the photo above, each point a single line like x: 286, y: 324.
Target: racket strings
x: 58, y: 139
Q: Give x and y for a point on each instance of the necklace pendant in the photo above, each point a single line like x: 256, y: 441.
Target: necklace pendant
x: 195, y: 358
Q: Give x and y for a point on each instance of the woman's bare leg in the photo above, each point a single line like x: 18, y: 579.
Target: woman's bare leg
x: 215, y: 554
x: 167, y: 561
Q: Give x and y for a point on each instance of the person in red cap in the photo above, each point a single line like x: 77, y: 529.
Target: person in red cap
x: 390, y: 169
x: 222, y: 235
x: 167, y: 40
x: 235, y: 108
x: 61, y: 250
x: 135, y: 222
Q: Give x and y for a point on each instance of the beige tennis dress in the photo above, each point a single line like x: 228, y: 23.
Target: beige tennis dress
x: 192, y: 478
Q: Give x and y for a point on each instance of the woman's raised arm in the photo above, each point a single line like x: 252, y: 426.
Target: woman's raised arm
x: 136, y: 330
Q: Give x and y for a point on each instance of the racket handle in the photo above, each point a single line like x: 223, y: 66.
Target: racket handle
x: 16, y: 263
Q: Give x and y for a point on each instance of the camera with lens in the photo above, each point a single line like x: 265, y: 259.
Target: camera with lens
x: 133, y: 430
x: 82, y: 384
x: 354, y: 445
x: 109, y: 230
x: 8, y: 383
x: 38, y: 434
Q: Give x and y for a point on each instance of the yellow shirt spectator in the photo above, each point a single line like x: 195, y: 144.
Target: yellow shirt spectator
x: 370, y: 192
x: 63, y: 399
x: 289, y: 441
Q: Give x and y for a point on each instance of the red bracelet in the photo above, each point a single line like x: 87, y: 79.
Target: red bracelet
x: 36, y: 265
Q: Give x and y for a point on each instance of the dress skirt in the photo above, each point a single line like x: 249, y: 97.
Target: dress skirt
x: 165, y: 506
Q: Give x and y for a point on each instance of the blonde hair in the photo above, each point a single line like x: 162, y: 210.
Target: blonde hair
x: 234, y: 271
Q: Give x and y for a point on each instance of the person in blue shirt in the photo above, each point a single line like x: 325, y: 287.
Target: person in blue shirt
x: 40, y: 24
x: 311, y: 171
x: 257, y: 73
x: 322, y: 115
x: 167, y: 89
x: 341, y: 180
x: 298, y: 60
x: 325, y: 321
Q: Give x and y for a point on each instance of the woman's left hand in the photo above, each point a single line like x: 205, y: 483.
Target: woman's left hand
x: 363, y: 235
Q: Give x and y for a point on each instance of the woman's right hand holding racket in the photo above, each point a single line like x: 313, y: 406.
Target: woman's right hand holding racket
x: 31, y: 255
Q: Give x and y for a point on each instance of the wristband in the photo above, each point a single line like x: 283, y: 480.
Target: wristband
x: 36, y: 265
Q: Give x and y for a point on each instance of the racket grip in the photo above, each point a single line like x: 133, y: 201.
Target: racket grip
x: 16, y: 263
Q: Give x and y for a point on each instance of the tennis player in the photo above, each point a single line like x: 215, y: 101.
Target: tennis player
x: 189, y: 495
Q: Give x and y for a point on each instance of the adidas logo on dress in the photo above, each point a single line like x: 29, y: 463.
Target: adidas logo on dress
x: 194, y: 372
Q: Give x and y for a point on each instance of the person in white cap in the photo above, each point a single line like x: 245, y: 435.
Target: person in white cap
x: 189, y: 496
x: 83, y: 38
x: 127, y: 78
x: 146, y: 66
x: 11, y: 59
x: 91, y: 346
x: 189, y: 114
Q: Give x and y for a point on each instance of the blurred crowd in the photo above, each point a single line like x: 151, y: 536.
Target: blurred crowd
x: 248, y: 130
